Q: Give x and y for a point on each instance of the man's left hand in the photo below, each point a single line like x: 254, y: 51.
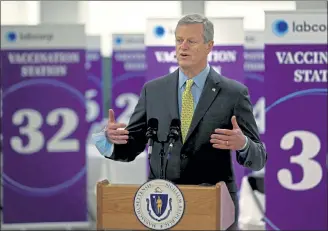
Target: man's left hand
x: 229, y: 139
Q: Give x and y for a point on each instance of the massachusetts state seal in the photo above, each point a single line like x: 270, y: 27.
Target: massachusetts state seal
x: 159, y: 204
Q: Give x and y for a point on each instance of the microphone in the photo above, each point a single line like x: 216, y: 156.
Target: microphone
x: 174, y: 134
x: 151, y: 134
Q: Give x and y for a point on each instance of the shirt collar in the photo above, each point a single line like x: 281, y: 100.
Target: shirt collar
x: 199, y: 79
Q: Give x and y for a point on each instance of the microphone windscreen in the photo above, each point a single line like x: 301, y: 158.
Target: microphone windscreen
x: 175, y: 123
x: 153, y: 123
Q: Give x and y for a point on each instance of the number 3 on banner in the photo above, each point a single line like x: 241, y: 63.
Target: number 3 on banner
x: 36, y: 140
x: 312, y: 171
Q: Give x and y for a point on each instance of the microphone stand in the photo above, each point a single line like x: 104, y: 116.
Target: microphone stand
x: 162, y: 155
x: 150, y: 133
x: 162, y: 174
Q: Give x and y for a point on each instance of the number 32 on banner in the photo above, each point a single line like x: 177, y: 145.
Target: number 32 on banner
x: 312, y: 170
x: 36, y: 140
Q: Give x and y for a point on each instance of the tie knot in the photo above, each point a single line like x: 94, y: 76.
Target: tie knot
x: 189, y: 84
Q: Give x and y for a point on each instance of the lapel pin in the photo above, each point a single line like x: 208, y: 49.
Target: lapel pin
x: 213, y: 89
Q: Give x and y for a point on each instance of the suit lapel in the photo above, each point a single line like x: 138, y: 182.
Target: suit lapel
x: 171, y: 97
x: 210, y: 91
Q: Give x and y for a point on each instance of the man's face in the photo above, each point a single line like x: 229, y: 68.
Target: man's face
x: 190, y: 47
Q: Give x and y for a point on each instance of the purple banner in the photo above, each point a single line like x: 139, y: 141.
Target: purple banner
x: 227, y: 60
x: 254, y: 73
x: 44, y: 134
x: 128, y: 78
x: 93, y: 95
x: 254, y: 80
x: 296, y: 131
x: 160, y: 61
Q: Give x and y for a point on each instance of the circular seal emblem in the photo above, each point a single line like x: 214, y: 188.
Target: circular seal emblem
x: 159, y: 204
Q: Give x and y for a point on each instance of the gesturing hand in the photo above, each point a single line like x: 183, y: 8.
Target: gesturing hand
x: 114, y: 134
x: 229, y: 139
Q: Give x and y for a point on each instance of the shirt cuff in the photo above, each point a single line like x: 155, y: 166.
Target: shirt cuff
x: 245, y: 148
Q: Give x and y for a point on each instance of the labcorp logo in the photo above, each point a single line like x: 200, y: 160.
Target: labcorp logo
x: 12, y: 36
x: 129, y: 40
x: 281, y: 27
x: 118, y: 40
x: 160, y: 31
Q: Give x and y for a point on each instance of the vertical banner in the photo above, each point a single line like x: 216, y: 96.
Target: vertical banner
x: 254, y: 76
x: 226, y: 57
x: 93, y: 94
x: 296, y: 120
x: 128, y: 77
x: 44, y: 126
x: 128, y: 74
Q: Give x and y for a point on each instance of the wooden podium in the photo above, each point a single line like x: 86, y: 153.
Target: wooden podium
x: 206, y: 207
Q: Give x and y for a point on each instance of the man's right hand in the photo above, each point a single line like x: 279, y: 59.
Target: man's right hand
x: 114, y: 134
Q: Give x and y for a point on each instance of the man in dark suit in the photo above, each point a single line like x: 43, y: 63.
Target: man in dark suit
x: 215, y: 112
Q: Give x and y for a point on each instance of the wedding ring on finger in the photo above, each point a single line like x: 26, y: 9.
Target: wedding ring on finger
x: 227, y: 143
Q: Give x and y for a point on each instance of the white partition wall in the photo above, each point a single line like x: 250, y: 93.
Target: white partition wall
x: 122, y: 17
x: 20, y: 12
x: 252, y: 11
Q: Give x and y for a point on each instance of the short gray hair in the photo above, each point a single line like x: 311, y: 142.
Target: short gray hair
x: 208, y: 28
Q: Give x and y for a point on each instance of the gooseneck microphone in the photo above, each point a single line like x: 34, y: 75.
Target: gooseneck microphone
x: 172, y: 137
x: 174, y: 134
x: 151, y: 134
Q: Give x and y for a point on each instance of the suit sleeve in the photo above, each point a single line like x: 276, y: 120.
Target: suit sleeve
x: 137, y: 133
x: 255, y: 156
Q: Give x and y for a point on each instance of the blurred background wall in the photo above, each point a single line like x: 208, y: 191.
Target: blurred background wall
x: 107, y: 17
x: 103, y: 18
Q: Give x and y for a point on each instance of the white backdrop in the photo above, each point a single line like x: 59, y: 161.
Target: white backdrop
x: 252, y: 11
x: 20, y: 12
x: 103, y: 17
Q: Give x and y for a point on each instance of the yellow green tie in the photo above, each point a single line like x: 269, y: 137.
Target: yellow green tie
x: 187, y: 110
